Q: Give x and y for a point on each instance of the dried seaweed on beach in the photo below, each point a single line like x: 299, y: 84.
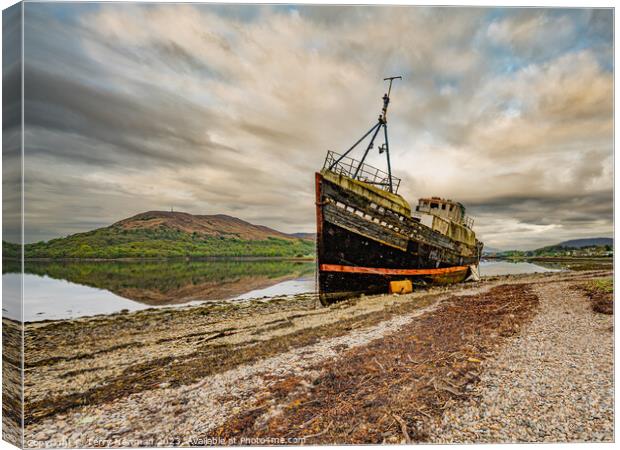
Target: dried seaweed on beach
x: 382, y: 392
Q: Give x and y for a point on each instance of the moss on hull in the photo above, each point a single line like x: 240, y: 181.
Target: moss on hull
x: 382, y: 198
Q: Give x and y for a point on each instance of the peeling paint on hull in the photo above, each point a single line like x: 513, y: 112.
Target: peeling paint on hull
x: 362, y: 245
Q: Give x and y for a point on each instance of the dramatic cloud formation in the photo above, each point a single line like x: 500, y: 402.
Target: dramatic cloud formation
x: 230, y: 109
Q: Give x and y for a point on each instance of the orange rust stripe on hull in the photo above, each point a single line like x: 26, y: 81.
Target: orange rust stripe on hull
x: 381, y: 271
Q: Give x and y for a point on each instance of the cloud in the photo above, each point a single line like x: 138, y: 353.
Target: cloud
x: 230, y: 109
x: 11, y: 124
x: 533, y: 33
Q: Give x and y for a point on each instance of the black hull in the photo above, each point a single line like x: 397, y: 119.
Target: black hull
x: 357, y: 252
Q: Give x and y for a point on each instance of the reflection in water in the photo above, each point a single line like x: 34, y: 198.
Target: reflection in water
x: 62, y: 289
x: 170, y: 282
x: 12, y: 295
x: 48, y: 298
x: 290, y: 287
x: 501, y: 267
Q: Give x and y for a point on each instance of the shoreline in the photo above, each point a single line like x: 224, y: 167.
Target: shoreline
x: 117, y: 367
x: 168, y: 258
x: 197, y: 303
x: 600, y: 259
x: 192, y: 300
x: 605, y: 259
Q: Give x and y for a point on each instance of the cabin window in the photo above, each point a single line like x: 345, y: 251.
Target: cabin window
x: 443, y: 206
x: 434, y: 205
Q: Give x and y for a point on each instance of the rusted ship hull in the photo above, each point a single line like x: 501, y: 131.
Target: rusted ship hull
x: 362, y: 245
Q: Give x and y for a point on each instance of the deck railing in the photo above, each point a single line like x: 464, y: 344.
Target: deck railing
x: 368, y: 174
x: 468, y: 222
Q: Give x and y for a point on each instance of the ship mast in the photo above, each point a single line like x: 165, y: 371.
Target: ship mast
x: 381, y: 123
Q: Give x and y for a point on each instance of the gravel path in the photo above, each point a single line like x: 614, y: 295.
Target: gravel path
x: 552, y: 383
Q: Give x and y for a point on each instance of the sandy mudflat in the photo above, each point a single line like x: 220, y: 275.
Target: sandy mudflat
x: 370, y: 370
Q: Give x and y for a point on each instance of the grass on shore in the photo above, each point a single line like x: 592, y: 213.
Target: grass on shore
x: 605, y: 285
x: 601, y: 293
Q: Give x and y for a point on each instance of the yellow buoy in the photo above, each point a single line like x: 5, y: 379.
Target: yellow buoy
x: 401, y: 287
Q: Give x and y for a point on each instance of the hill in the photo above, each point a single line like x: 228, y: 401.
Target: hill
x: 309, y: 236
x: 578, y: 247
x: 171, y: 234
x: 588, y: 247
x: 218, y: 225
x: 490, y: 250
x: 588, y: 242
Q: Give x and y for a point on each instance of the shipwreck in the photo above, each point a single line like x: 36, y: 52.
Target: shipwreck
x: 370, y: 240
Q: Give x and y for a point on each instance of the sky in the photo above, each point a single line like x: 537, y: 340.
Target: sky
x: 215, y: 109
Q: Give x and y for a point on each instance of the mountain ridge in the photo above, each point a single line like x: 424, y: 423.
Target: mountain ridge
x: 585, y: 242
x: 163, y: 234
x: 217, y: 225
x: 568, y: 244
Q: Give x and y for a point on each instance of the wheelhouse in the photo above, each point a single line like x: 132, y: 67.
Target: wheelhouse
x: 446, y: 209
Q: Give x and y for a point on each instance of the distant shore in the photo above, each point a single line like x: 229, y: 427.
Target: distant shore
x: 551, y: 258
x: 569, y: 262
x: 606, y: 259
x: 175, y: 258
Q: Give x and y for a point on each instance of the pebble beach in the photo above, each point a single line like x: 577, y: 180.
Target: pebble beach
x: 520, y: 358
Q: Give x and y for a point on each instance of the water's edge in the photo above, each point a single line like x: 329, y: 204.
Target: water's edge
x: 80, y: 289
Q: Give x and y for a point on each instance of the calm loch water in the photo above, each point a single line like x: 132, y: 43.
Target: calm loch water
x: 62, y: 290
